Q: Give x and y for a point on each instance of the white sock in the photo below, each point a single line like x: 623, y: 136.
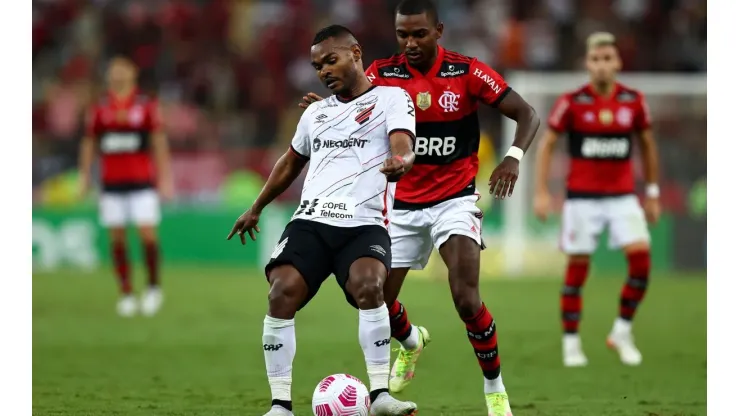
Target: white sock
x: 494, y: 386
x: 622, y: 326
x: 278, y: 342
x: 375, y: 340
x: 412, y: 342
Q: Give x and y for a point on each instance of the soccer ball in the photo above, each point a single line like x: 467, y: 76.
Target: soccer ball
x: 341, y: 395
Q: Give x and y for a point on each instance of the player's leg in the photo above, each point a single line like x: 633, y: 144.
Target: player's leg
x: 114, y: 217
x: 628, y: 230
x: 361, y: 268
x: 411, y: 245
x: 145, y: 213
x: 295, y: 272
x: 456, y: 232
x: 582, y: 223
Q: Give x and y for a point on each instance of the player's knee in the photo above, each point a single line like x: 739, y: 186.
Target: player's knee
x: 148, y: 234
x: 287, y: 291
x: 466, y: 297
x: 368, y: 292
x: 117, y: 235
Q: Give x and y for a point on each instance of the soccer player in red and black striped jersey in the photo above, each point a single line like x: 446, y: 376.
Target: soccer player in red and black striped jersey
x: 435, y: 202
x: 600, y: 120
x: 124, y: 128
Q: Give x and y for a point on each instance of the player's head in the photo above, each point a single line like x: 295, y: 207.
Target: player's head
x: 121, y: 74
x: 337, y: 58
x: 602, y: 57
x: 417, y: 30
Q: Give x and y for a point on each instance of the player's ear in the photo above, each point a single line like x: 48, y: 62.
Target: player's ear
x: 619, y: 62
x: 356, y: 52
x: 440, y: 29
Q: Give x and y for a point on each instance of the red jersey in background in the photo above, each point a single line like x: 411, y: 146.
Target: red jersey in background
x: 447, y: 128
x: 599, y: 131
x: 123, y: 129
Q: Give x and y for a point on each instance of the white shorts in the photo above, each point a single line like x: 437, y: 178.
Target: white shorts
x: 585, y: 219
x: 414, y: 233
x: 118, y: 209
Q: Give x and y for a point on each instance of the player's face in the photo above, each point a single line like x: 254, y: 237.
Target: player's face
x: 603, y: 63
x: 335, y: 64
x: 121, y: 74
x: 417, y: 37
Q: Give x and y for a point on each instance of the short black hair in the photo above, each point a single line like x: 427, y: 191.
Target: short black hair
x: 333, y: 31
x: 410, y: 7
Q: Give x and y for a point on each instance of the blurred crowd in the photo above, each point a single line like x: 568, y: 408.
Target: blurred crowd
x: 229, y: 73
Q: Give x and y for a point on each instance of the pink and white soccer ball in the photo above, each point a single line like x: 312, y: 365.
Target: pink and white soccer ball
x: 341, y: 395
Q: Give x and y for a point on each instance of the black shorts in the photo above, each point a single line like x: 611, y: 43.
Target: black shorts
x: 318, y: 250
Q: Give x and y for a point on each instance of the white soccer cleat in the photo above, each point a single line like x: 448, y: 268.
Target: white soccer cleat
x: 386, y: 405
x: 279, y: 411
x: 573, y: 355
x: 622, y: 341
x: 127, y: 306
x: 151, y: 301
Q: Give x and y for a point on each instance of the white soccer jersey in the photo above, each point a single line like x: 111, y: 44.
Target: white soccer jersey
x: 347, y: 143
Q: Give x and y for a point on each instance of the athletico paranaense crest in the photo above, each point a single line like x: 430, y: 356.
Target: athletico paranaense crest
x: 364, y: 114
x: 424, y: 100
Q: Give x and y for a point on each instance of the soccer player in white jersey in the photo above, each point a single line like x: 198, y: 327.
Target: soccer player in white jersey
x: 359, y: 143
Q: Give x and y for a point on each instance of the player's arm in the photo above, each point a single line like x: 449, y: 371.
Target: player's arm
x: 558, y: 122
x: 650, y: 161
x: 491, y: 88
x: 401, y: 125
x: 88, y: 146
x: 161, y: 153
x: 283, y: 174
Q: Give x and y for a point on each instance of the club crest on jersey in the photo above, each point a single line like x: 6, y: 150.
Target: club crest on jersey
x: 136, y: 115
x: 424, y: 100
x: 606, y: 117
x: 364, y: 114
x: 624, y: 117
x: 449, y: 101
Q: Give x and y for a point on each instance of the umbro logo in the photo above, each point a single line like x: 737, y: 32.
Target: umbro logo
x: 378, y: 249
x: 321, y: 118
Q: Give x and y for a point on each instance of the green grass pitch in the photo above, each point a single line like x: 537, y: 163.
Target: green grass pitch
x: 202, y: 354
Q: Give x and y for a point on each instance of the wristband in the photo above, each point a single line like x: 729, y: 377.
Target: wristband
x: 400, y: 159
x: 652, y: 190
x: 515, y: 152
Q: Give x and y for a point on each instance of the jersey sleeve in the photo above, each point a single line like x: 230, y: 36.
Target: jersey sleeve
x: 401, y: 113
x: 92, y: 122
x: 560, y: 115
x: 643, y: 119
x: 301, y: 143
x: 486, y: 85
x: 372, y: 73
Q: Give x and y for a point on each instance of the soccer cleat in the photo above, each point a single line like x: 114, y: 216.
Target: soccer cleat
x: 126, y: 306
x: 624, y: 344
x: 498, y: 404
x: 386, y: 405
x: 151, y: 301
x: 279, y: 411
x: 403, y: 368
x: 573, y: 355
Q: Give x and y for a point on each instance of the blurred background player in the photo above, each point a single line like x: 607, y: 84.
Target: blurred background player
x: 600, y: 120
x: 124, y: 129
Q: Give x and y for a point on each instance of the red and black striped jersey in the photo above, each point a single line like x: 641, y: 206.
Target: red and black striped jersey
x: 447, y: 129
x: 123, y: 129
x: 600, y: 133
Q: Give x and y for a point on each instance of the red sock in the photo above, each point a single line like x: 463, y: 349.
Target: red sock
x: 482, y: 336
x: 570, y: 296
x: 120, y: 261
x: 400, y: 325
x: 151, y: 256
x: 634, y: 288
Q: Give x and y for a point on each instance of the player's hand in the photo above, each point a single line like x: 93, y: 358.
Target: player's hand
x: 246, y: 222
x: 83, y: 187
x: 309, y: 99
x: 504, y: 178
x: 166, y: 190
x: 393, y: 168
x: 542, y: 205
x: 652, y: 209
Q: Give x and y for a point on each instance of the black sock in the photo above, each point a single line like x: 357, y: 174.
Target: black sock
x: 375, y: 393
x: 287, y: 404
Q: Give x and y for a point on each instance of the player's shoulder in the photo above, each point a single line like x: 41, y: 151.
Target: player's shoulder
x: 455, y: 64
x: 393, y: 67
x: 581, y: 95
x: 625, y: 94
